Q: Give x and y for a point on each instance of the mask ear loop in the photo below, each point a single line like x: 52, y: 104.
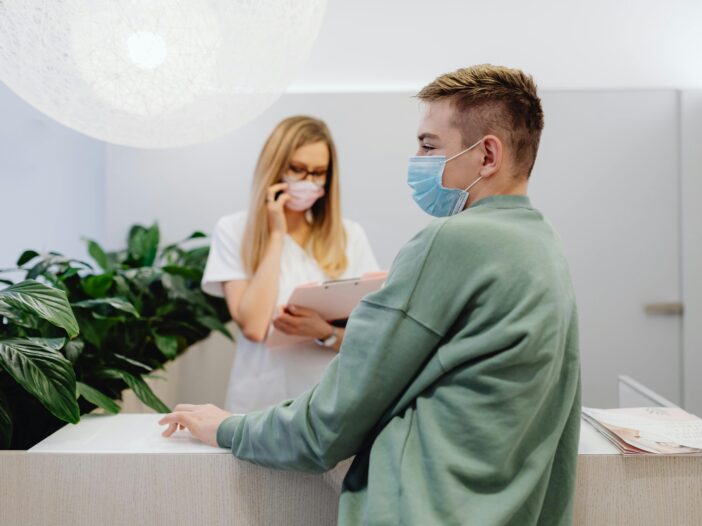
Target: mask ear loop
x: 471, y: 185
x: 464, y: 151
x: 461, y: 203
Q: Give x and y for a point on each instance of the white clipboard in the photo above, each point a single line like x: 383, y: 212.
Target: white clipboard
x: 333, y: 300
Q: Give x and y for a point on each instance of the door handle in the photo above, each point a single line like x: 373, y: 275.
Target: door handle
x: 664, y: 309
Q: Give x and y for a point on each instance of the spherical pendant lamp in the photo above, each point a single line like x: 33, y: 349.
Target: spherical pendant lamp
x: 154, y: 73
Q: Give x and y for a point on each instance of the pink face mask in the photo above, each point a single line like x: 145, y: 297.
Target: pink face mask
x: 303, y: 194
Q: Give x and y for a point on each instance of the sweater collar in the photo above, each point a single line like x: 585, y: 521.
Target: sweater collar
x: 504, y: 201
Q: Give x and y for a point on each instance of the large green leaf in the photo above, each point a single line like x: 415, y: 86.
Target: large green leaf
x: 143, y: 244
x: 44, y: 372
x: 55, y: 344
x: 142, y: 391
x: 46, y: 302
x: 132, y: 361
x: 74, y: 349
x: 68, y: 274
x: 193, y: 274
x: 167, y: 344
x: 26, y: 257
x: 142, y: 278
x: 18, y: 317
x: 122, y: 286
x: 99, y: 399
x: 99, y: 285
x: 54, y: 264
x: 115, y: 303
x: 94, y: 330
x: 98, y: 254
x: 176, y: 246
x: 5, y: 423
x: 195, y: 257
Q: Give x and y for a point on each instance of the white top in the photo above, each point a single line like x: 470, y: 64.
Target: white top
x: 262, y: 376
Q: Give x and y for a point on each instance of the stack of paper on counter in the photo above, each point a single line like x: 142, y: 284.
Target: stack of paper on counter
x: 648, y: 430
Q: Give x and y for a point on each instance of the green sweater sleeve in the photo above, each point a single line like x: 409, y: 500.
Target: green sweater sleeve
x: 384, y: 350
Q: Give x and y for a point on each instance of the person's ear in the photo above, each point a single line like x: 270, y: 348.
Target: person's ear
x: 493, y: 150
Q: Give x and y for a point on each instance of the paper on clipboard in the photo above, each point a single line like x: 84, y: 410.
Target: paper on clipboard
x: 333, y: 300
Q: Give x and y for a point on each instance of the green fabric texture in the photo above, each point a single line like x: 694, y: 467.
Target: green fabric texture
x: 457, y: 386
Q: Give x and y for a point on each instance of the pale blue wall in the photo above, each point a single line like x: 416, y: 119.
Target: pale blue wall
x: 52, y: 182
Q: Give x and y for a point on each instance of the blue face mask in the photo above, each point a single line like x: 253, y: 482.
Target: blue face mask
x: 424, y: 175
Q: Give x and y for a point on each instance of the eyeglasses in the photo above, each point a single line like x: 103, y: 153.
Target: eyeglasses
x: 298, y: 172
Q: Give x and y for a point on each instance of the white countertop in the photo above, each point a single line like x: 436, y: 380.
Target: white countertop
x: 124, y: 433
x: 140, y: 433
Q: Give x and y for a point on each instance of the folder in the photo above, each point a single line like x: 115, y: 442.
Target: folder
x: 333, y: 300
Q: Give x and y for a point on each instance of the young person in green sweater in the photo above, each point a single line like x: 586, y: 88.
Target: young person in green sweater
x: 457, y: 386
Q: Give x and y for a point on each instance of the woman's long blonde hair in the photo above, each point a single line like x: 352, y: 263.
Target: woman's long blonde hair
x: 327, y: 243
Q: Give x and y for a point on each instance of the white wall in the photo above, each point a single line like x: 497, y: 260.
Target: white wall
x: 51, y: 183
x: 190, y: 188
x: 402, y: 44
x: 607, y: 176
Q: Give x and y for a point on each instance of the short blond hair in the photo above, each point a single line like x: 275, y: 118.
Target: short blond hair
x: 493, y: 100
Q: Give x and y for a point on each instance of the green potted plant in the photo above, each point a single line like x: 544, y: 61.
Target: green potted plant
x: 131, y: 312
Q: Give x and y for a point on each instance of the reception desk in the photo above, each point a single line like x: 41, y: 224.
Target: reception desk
x: 119, y: 470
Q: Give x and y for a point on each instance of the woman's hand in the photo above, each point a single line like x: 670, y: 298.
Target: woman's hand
x: 276, y: 209
x: 201, y: 420
x: 302, y: 322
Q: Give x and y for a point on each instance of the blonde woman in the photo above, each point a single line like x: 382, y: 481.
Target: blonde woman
x: 292, y: 234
